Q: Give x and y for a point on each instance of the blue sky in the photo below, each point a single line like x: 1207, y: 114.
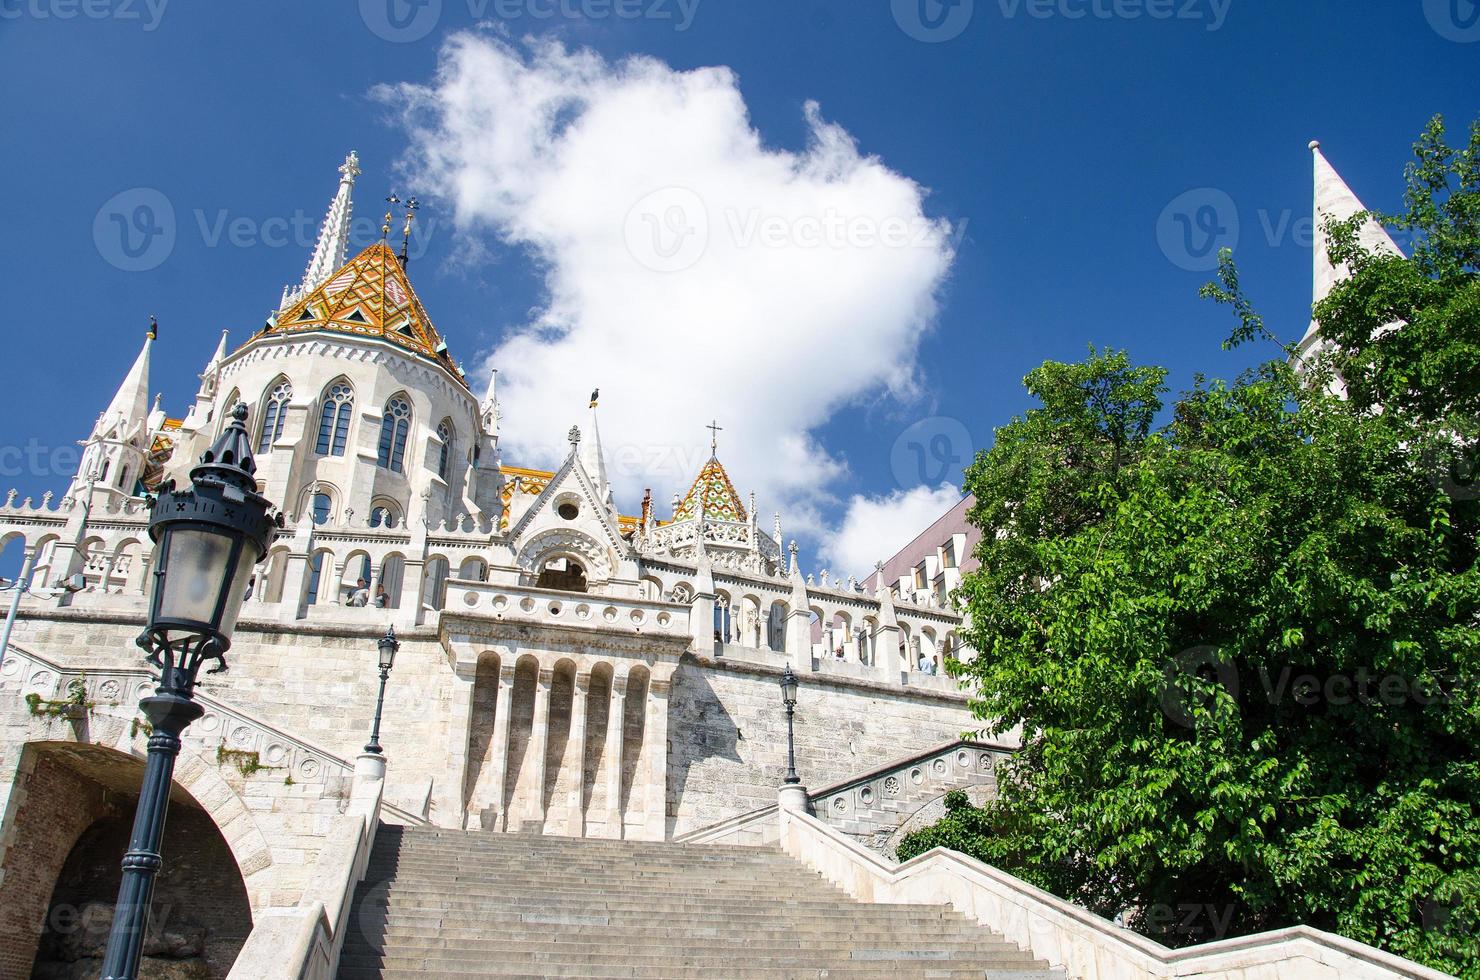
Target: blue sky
x: 1058, y: 138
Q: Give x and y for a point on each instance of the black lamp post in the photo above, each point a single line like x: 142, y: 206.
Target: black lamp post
x: 387, y: 645
x: 789, y: 698
x: 207, y: 539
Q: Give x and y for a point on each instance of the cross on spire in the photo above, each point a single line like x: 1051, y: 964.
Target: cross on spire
x: 714, y: 430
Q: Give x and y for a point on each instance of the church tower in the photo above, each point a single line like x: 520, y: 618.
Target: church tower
x: 115, y: 452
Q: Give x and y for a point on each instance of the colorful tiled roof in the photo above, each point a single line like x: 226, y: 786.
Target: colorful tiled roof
x: 369, y: 296
x: 714, y: 494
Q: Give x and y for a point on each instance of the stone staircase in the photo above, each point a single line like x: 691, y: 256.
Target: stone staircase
x: 443, y: 903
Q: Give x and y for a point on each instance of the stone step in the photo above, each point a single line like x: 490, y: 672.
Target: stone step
x: 617, y: 906
x: 852, y: 972
x: 456, y: 904
x: 715, y: 965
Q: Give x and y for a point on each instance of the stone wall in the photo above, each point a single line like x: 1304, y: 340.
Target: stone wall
x: 726, y: 727
x: 52, y: 806
x: 727, y: 735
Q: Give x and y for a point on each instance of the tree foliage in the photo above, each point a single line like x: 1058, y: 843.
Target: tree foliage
x: 1244, y: 643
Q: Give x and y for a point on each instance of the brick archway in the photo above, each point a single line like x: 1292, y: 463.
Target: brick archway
x: 58, y: 790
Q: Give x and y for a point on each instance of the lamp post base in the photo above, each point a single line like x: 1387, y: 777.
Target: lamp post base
x: 793, y: 797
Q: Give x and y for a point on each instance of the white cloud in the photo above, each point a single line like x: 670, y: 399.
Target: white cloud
x: 692, y: 272
x: 876, y: 528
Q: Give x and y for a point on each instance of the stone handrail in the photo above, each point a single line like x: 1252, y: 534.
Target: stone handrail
x: 304, y: 942
x: 1086, y: 946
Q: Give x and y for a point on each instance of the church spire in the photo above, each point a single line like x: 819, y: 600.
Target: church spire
x: 130, y: 404
x: 1335, y: 200
x: 332, y: 249
x: 594, y: 459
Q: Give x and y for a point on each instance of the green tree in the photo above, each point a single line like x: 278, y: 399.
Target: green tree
x: 1244, y: 645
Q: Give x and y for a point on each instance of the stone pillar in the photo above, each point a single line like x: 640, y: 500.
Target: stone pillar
x: 655, y: 741
x: 885, y: 641
x: 613, y: 752
x: 701, y: 611
x: 331, y: 575
x: 138, y: 573
x: 408, y: 615
x: 497, y: 769
x: 539, y: 743
x: 460, y: 722
x: 576, y: 824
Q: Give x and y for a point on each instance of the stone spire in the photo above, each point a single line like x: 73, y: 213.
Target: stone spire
x: 114, y: 451
x: 130, y: 405
x: 490, y: 404
x: 332, y: 249
x: 594, y: 460
x: 1334, y: 200
x: 211, y: 376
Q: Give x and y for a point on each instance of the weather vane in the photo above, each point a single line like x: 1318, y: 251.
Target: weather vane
x: 385, y: 227
x: 412, y: 204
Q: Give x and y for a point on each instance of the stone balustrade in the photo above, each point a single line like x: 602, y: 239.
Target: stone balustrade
x: 586, y: 611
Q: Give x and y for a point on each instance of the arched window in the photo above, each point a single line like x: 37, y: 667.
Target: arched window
x: 395, y: 425
x: 382, y: 516
x: 334, y: 418
x: 274, y: 414
x: 445, y: 433
x: 315, y: 577
x: 322, y: 504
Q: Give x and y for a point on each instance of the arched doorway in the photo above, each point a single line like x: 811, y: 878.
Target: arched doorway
x: 62, y: 869
x: 562, y: 573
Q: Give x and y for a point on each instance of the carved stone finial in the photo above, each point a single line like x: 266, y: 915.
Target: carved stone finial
x: 793, y: 547
x: 574, y: 435
x: 879, y: 567
x: 10, y: 497
x: 46, y: 500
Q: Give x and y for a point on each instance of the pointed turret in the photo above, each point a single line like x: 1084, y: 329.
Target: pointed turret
x: 130, y: 405
x: 1334, y: 200
x: 332, y: 248
x: 113, y: 453
x: 594, y: 460
x: 490, y: 405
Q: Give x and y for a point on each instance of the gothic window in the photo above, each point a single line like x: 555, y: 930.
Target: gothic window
x: 315, y: 576
x: 334, y: 418
x: 444, y: 461
x: 322, y: 505
x: 103, y: 476
x: 382, y: 515
x: 274, y: 415
x: 395, y: 426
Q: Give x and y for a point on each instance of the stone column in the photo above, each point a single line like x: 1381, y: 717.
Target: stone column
x: 655, y: 742
x: 408, y: 615
x: 331, y: 575
x: 460, y: 722
x: 613, y: 752
x: 138, y: 573
x: 576, y: 823
x: 539, y: 743
x: 497, y: 769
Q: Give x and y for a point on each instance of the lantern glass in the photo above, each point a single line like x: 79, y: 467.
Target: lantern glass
x: 388, y: 647
x: 205, y: 572
x: 789, y: 687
